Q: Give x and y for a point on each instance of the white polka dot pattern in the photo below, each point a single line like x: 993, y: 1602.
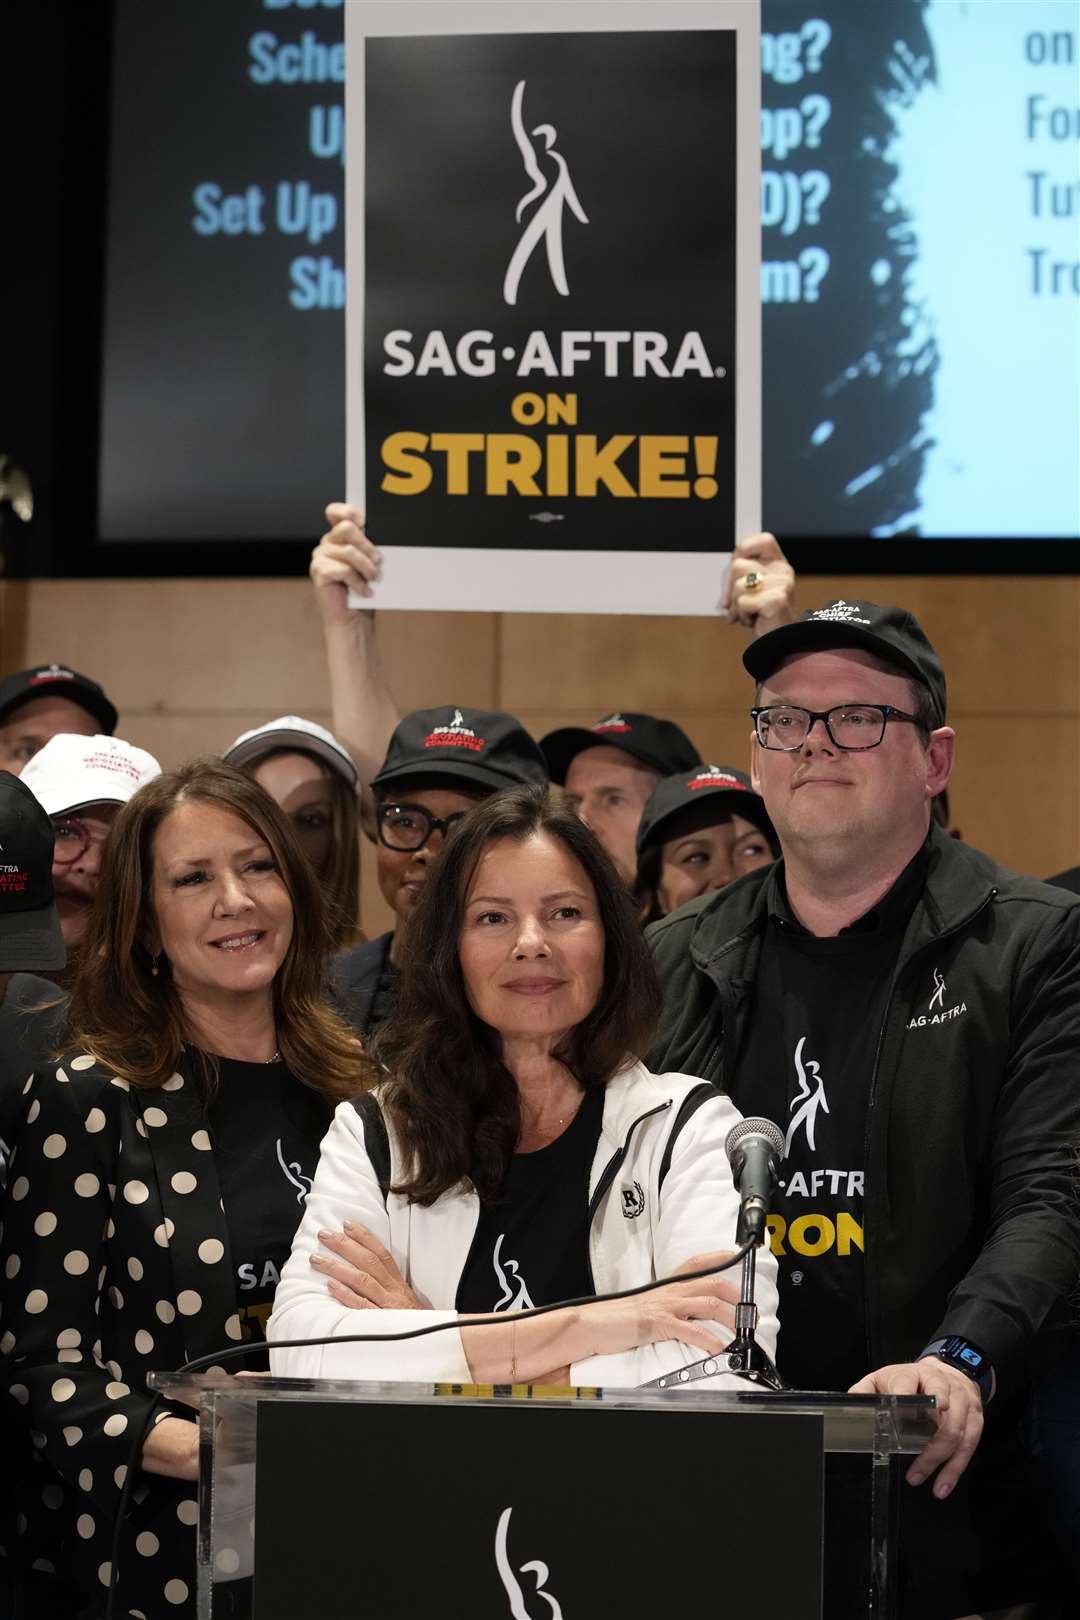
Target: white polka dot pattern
x: 85, y: 1525
x: 115, y: 1424
x: 211, y: 1250
x: 227, y: 1561
x: 175, y: 1083
x: 147, y: 1543
x: 76, y: 1263
x: 188, y: 1302
x: 166, y: 1311
x: 68, y: 1339
x: 136, y: 1192
x: 155, y: 1117
x: 183, y: 1182
x: 45, y: 1225
x: 83, y: 1061
x: 95, y: 1121
x: 36, y: 1301
x: 176, y: 1591
x: 87, y: 1185
x: 201, y: 1141
x: 63, y: 1389
x: 55, y: 1146
x: 187, y: 1511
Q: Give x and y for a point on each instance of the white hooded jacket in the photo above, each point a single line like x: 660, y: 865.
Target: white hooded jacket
x: 638, y: 1230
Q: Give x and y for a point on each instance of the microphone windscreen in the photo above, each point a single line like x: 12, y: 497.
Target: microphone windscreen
x: 753, y: 1127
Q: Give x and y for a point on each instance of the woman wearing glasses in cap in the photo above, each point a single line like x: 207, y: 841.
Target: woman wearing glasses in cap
x: 699, y: 832
x: 439, y: 764
x: 81, y: 783
x: 310, y: 775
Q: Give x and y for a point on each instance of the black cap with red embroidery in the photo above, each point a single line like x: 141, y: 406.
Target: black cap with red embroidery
x: 488, y: 748
x: 57, y: 680
x: 30, y: 938
x: 725, y: 789
x: 660, y: 744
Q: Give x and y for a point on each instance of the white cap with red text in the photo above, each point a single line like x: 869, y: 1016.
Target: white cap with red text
x: 70, y: 773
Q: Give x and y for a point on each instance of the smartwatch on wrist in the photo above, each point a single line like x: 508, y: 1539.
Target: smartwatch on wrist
x: 956, y: 1351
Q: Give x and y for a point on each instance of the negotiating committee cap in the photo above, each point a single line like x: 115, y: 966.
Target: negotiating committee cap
x: 484, y: 748
x: 660, y: 744
x: 30, y: 938
x: 56, y: 680
x: 721, y: 788
x: 891, y: 633
x: 71, y: 772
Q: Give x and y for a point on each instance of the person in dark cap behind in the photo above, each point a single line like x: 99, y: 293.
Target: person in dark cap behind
x: 909, y: 1013
x: 30, y: 944
x: 609, y: 771
x: 699, y: 832
x: 37, y: 704
x: 439, y: 764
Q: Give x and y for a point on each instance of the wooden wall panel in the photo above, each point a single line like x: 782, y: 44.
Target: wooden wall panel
x: 191, y: 663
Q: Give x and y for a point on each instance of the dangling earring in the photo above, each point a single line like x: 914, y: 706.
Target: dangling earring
x: 155, y: 964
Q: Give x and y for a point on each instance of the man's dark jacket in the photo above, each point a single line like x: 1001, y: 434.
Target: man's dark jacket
x: 971, y: 1215
x: 354, y: 978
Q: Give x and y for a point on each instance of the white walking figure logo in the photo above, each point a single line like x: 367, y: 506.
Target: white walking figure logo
x: 294, y: 1174
x: 939, y: 993
x: 547, y: 221
x: 809, y: 1101
x: 457, y: 722
x: 536, y: 1566
x: 508, y: 1301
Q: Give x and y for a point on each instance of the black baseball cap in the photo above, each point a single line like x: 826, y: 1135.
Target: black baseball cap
x: 660, y: 744
x: 30, y: 937
x: 890, y: 633
x: 56, y: 680
x: 489, y: 749
x: 721, y: 786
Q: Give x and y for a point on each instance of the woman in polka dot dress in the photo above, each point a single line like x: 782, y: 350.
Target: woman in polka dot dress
x: 159, y: 1177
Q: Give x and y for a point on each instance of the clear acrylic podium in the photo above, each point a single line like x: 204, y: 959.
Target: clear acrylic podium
x: 620, y: 1454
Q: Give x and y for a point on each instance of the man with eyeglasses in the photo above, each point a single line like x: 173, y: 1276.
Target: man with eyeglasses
x: 439, y: 764
x: 908, y: 1013
x: 81, y: 782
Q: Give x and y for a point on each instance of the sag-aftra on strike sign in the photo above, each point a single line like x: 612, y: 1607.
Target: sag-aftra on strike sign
x: 553, y: 364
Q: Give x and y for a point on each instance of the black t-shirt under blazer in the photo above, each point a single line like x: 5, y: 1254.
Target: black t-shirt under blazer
x: 117, y: 1260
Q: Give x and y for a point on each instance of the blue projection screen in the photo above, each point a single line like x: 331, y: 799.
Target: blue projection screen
x: 921, y: 270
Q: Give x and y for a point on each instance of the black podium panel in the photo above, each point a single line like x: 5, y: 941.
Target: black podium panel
x: 412, y: 1511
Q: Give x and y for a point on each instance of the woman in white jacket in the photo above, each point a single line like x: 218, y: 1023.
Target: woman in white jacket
x: 516, y: 1153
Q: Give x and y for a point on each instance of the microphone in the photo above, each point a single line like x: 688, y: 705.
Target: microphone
x: 754, y: 1148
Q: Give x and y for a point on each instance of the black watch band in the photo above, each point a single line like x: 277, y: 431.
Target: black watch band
x: 956, y: 1351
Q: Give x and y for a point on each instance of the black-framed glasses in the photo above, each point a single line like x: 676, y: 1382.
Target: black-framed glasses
x: 850, y: 726
x: 409, y: 826
x: 72, y: 838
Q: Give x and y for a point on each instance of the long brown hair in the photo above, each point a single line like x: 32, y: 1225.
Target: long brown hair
x: 132, y: 1019
x: 451, y: 1099
x: 340, y: 883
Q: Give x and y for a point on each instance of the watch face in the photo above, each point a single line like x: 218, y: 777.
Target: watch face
x: 972, y: 1357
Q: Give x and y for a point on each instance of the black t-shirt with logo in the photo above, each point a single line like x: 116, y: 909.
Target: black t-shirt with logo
x: 531, y: 1247
x: 807, y: 1062
x: 266, y: 1127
